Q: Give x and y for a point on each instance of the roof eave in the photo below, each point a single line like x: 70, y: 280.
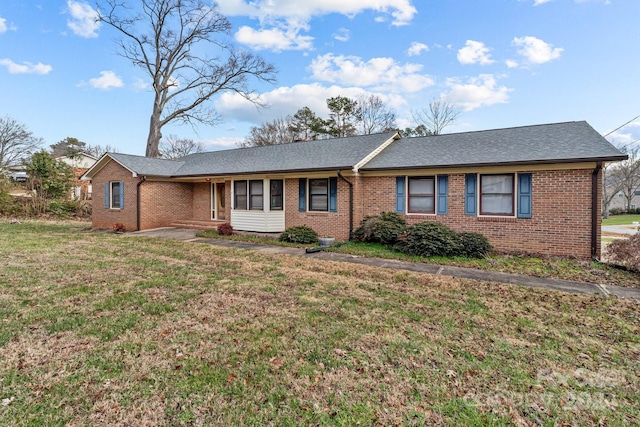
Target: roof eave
x: 265, y: 172
x: 514, y: 163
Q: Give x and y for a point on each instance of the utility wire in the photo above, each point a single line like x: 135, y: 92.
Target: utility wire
x: 621, y: 126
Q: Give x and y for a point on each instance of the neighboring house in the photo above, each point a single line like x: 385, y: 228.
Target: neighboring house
x: 620, y: 202
x: 80, y: 162
x: 532, y: 189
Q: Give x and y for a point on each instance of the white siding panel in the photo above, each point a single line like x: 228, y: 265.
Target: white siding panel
x: 261, y: 221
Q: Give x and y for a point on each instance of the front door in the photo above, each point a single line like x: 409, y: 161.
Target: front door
x: 219, y: 201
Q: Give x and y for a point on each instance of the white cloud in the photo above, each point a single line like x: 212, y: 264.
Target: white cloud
x: 401, y: 11
x: 83, y: 21
x: 107, y: 80
x: 282, y: 21
x: 417, y: 48
x: 276, y: 39
x: 536, y: 51
x: 4, y: 27
x: 287, y: 100
x: 539, y: 2
x: 627, y: 135
x: 474, y: 52
x: 476, y: 92
x: 221, y: 143
x: 342, y: 35
x: 141, y: 84
x: 379, y: 74
x: 511, y: 63
x: 25, y: 67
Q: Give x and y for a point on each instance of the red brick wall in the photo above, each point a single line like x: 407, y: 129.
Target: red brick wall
x: 560, y: 224
x: 106, y: 218
x: 161, y: 203
x: 202, y: 201
x: 326, y: 224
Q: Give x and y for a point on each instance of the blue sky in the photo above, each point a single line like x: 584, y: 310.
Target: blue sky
x: 503, y: 62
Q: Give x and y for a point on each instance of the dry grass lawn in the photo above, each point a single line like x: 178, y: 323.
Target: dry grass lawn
x: 102, y: 329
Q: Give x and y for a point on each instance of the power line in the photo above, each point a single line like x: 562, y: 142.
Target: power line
x: 621, y: 126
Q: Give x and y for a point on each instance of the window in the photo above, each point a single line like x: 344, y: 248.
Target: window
x: 248, y: 195
x: 256, y: 195
x: 114, y: 195
x: 422, y: 195
x: 240, y: 195
x: 319, y: 195
x: 275, y: 194
x: 496, y: 194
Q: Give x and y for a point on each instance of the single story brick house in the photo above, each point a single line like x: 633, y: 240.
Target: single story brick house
x: 532, y: 189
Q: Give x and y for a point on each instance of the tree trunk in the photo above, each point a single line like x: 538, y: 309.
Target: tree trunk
x: 155, y: 134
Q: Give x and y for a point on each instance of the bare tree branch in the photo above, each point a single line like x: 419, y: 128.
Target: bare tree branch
x: 437, y: 116
x: 374, y: 116
x: 174, y: 147
x: 276, y: 131
x: 17, y: 143
x: 165, y: 38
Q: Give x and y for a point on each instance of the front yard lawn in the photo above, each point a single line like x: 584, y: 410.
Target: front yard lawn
x: 106, y: 329
x: 621, y: 219
x: 566, y: 269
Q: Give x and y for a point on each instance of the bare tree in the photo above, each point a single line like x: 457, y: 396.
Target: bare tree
x: 437, y: 116
x: 17, y: 143
x: 98, y: 150
x: 164, y: 38
x: 276, y: 131
x: 174, y: 147
x: 611, y: 186
x: 625, y: 176
x: 374, y: 116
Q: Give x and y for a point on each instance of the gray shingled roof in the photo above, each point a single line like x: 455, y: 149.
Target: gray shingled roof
x: 550, y: 143
x: 329, y: 154
x: 148, y: 165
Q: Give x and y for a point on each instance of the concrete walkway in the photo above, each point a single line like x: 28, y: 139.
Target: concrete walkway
x: 467, y: 273
x: 620, y: 229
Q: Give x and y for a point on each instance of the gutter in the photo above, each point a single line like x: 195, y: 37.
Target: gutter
x: 350, y: 202
x: 594, y: 211
x: 143, y: 179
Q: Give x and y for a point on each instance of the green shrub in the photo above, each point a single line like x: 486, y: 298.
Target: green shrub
x: 474, y: 245
x: 429, y: 239
x: 63, y: 208
x: 225, y: 229
x: 7, y: 204
x: 385, y: 228
x: 300, y: 234
x: 617, y: 211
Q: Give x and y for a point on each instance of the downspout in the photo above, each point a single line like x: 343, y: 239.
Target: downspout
x: 350, y: 202
x: 594, y: 212
x: 143, y: 179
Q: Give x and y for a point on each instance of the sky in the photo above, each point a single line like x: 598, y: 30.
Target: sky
x: 503, y: 63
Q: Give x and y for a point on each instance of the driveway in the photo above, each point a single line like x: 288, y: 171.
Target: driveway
x: 626, y: 229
